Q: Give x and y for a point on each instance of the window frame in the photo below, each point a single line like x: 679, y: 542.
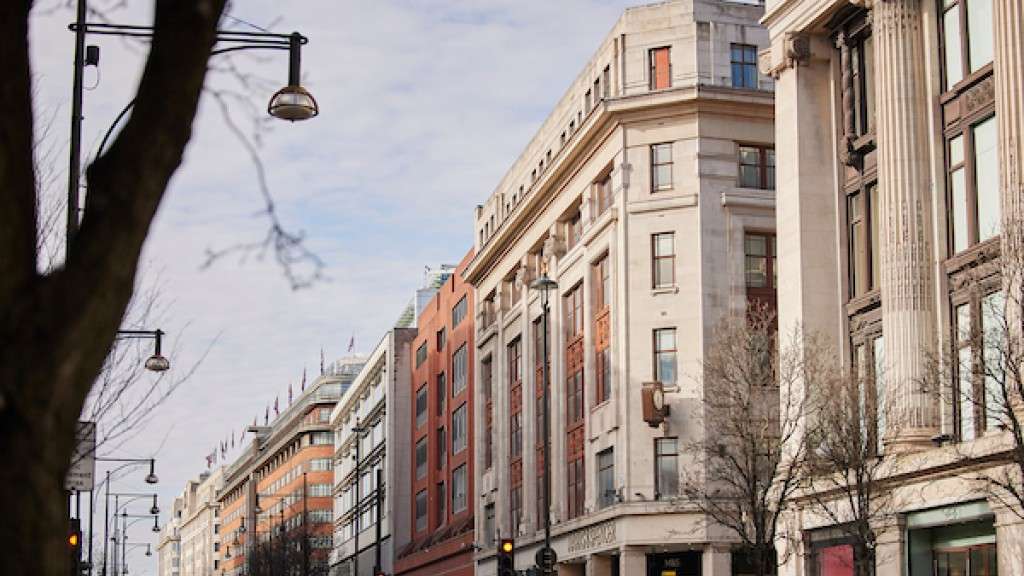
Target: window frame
x: 657, y: 352
x: 460, y: 430
x: 421, y: 415
x: 659, y: 490
x: 764, y: 182
x: 653, y: 69
x: 743, y: 64
x: 655, y: 258
x: 605, y: 470
x: 656, y: 184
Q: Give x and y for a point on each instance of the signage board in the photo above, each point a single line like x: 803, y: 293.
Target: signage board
x: 82, y: 473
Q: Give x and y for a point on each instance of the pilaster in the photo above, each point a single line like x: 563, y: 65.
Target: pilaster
x: 904, y: 205
x: 632, y: 561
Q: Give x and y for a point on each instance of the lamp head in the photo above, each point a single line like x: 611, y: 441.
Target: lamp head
x: 293, y: 103
x: 157, y: 363
x: 543, y: 283
x: 149, y: 551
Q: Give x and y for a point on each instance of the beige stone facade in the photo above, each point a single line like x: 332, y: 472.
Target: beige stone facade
x: 633, y: 198
x: 199, y: 526
x: 898, y: 131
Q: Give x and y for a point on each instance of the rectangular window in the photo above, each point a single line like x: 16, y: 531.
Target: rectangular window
x: 602, y: 284
x: 980, y: 365
x: 459, y: 312
x: 574, y: 396
x: 487, y: 376
x: 576, y: 486
x: 574, y: 313
x: 602, y: 193
x: 660, y: 68
x: 665, y: 355
x: 421, y: 354
x: 516, y: 507
x: 421, y: 406
x: 666, y: 468
x: 442, y: 447
x: 442, y: 337
x: 460, y: 371
x: 974, y: 185
x: 602, y: 332
x: 757, y: 167
x: 421, y: 458
x: 489, y: 526
x: 421, y: 510
x: 760, y: 270
x: 606, y: 82
x: 573, y: 230
x: 459, y: 489
x: 321, y: 438
x: 967, y: 33
x: 460, y: 429
x: 441, y: 501
x: 663, y: 260
x: 661, y: 167
x: 862, y: 231
x: 440, y: 393
x: 587, y: 102
x: 744, y: 65
x: 606, y: 478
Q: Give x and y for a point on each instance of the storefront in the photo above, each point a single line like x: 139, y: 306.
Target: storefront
x: 955, y: 540
x: 687, y: 563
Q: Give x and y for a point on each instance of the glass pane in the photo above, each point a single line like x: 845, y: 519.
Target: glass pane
x: 986, y: 170
x: 662, y: 153
x: 749, y: 177
x: 663, y: 244
x: 959, y: 209
x: 993, y: 315
x: 757, y: 271
x: 749, y: 155
x: 666, y: 339
x: 956, y: 150
x: 979, y: 33
x: 874, y: 226
x: 737, y: 75
x: 881, y: 405
x: 756, y: 245
x: 667, y: 367
x: 750, y: 77
x: 664, y: 272
x: 952, y: 46
x: 737, y: 53
x: 663, y: 176
x: 964, y: 396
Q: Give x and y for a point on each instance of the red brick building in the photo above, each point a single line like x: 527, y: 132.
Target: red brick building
x: 441, y: 430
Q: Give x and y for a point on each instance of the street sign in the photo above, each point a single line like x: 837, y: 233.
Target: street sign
x: 83, y: 459
x: 546, y: 559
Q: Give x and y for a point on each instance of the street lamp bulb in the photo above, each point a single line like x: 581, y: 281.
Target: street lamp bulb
x: 293, y: 103
x: 151, y: 478
x: 154, y: 510
x: 149, y: 552
x: 156, y: 528
x: 158, y: 363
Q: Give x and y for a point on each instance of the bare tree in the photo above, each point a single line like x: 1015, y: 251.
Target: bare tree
x: 745, y: 479
x: 289, y: 552
x: 58, y: 326
x: 847, y: 466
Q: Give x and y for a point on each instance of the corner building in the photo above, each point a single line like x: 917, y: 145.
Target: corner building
x: 900, y: 126
x: 648, y: 195
x: 439, y: 430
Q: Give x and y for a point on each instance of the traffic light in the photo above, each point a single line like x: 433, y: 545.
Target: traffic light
x: 506, y: 557
x: 74, y: 543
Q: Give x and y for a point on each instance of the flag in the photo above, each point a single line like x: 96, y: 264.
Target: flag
x: 276, y: 411
x: 232, y: 439
x: 352, y: 343
x: 210, y: 457
x: 254, y: 421
x: 266, y: 416
x: 321, y: 361
x: 289, y: 393
x: 303, y: 389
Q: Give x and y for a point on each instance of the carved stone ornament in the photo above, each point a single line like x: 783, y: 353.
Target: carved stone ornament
x: 798, y: 50
x: 554, y: 246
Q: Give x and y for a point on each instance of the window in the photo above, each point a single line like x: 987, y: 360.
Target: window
x: 587, y: 104
x: 857, y: 57
x: 319, y: 490
x: 862, y: 238
x: 489, y: 525
x: 665, y: 355
x: 606, y: 478
x: 460, y: 424
x: 573, y: 230
x: 421, y: 354
x: 516, y: 401
x: 980, y: 378
x: 320, y: 464
x: 441, y: 501
x: 442, y: 337
x: 967, y: 33
x: 440, y: 393
x: 460, y: 371
x: 973, y: 182
x: 442, y: 447
x: 663, y: 260
x: 459, y: 312
x: 322, y: 437
x: 760, y: 270
x: 421, y: 510
x: 574, y: 313
x: 459, y: 489
x: 606, y: 82
x: 744, y: 65
x: 540, y: 411
x: 661, y: 167
x: 575, y: 485
x: 421, y: 458
x: 757, y: 167
x: 666, y: 467
x: 602, y: 332
x: 975, y: 560
x: 486, y: 376
x: 869, y: 363
x: 516, y: 506
x: 421, y: 406
x: 602, y: 192
x: 324, y: 415
x: 660, y: 68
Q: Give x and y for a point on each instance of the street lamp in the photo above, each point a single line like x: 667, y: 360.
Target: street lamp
x: 157, y: 362
x: 150, y: 479
x: 293, y: 102
x: 544, y: 285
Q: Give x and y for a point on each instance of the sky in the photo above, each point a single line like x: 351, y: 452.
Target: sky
x: 423, y: 107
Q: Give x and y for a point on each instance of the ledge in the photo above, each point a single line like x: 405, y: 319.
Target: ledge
x: 656, y: 204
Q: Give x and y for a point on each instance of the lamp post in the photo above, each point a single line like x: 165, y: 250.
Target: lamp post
x: 118, y: 505
x: 151, y: 478
x: 544, y: 285
x: 157, y: 362
x: 292, y: 103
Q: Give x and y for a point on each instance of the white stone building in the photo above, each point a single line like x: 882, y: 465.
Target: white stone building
x: 199, y: 525
x: 643, y: 194
x: 168, y: 548
x: 371, y: 404
x: 900, y: 131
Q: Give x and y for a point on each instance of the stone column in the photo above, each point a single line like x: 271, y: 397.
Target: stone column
x: 1009, y: 537
x: 1009, y: 77
x: 889, y: 551
x: 716, y: 561
x: 904, y: 205
x: 632, y: 560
